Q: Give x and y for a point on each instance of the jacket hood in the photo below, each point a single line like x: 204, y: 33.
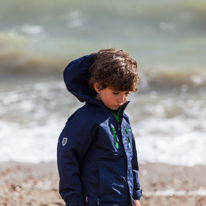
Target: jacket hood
x: 76, y: 78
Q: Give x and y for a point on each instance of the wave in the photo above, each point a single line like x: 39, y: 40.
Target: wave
x: 183, y: 80
x: 20, y: 55
x: 22, y: 62
x: 13, y: 62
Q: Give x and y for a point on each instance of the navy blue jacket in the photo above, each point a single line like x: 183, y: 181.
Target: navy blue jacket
x: 96, y: 155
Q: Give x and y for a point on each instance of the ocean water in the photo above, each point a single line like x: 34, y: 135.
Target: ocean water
x: 167, y: 38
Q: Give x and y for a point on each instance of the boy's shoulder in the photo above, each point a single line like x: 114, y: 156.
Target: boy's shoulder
x: 88, y: 109
x: 81, y: 120
x: 126, y: 117
x: 86, y: 113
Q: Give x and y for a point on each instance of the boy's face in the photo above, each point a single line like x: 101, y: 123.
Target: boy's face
x: 112, y: 99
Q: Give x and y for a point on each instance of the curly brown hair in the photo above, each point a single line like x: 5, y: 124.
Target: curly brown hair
x: 114, y: 69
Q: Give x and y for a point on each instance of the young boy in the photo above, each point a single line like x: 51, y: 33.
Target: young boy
x: 96, y: 154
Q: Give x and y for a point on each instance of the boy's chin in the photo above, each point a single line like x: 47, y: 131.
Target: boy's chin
x: 114, y: 107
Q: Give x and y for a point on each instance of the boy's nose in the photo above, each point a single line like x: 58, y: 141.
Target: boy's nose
x: 121, y: 99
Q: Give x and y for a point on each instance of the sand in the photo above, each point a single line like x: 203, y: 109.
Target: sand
x: 23, y: 184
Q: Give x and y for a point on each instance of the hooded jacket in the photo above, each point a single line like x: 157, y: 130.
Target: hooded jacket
x: 96, y: 153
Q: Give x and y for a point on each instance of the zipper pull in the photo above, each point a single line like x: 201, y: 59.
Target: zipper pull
x: 115, y: 132
x: 115, y: 137
x: 113, y: 129
x: 97, y: 201
x: 119, y: 127
x: 128, y: 137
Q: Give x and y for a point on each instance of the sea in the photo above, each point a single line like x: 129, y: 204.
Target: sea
x: 166, y: 37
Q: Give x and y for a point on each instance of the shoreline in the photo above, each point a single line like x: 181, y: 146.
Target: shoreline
x: 24, y: 184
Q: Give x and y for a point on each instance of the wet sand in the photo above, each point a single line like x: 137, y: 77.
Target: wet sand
x: 23, y: 184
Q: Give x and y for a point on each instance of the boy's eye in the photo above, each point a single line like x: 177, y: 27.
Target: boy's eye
x: 116, y: 93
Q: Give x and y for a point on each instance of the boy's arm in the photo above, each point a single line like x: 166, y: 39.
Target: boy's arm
x: 72, y: 147
x: 137, y: 192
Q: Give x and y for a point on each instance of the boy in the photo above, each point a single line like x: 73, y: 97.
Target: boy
x: 96, y: 154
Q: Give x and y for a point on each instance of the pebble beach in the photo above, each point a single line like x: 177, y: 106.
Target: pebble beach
x: 26, y: 184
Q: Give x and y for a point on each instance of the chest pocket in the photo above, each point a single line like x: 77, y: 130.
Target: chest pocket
x: 109, y: 138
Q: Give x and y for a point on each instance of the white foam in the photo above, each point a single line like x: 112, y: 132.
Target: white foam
x: 35, y: 143
x: 200, y: 192
x: 33, y: 116
x: 171, y: 141
x: 29, y: 144
x: 32, y: 29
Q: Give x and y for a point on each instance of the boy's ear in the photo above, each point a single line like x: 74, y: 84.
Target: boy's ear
x: 96, y: 87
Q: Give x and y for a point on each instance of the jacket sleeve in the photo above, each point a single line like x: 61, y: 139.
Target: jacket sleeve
x: 73, y: 144
x: 137, y: 192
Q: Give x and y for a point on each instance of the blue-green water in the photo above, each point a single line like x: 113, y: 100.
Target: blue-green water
x: 166, y: 37
x: 160, y: 34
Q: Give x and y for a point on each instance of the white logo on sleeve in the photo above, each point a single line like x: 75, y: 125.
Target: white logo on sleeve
x: 64, y: 141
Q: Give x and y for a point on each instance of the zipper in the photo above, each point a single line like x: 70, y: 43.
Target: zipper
x: 117, y: 116
x: 113, y: 129
x: 127, y: 133
x: 115, y: 137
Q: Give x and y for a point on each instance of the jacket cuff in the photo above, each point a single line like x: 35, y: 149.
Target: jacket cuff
x: 137, y: 194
